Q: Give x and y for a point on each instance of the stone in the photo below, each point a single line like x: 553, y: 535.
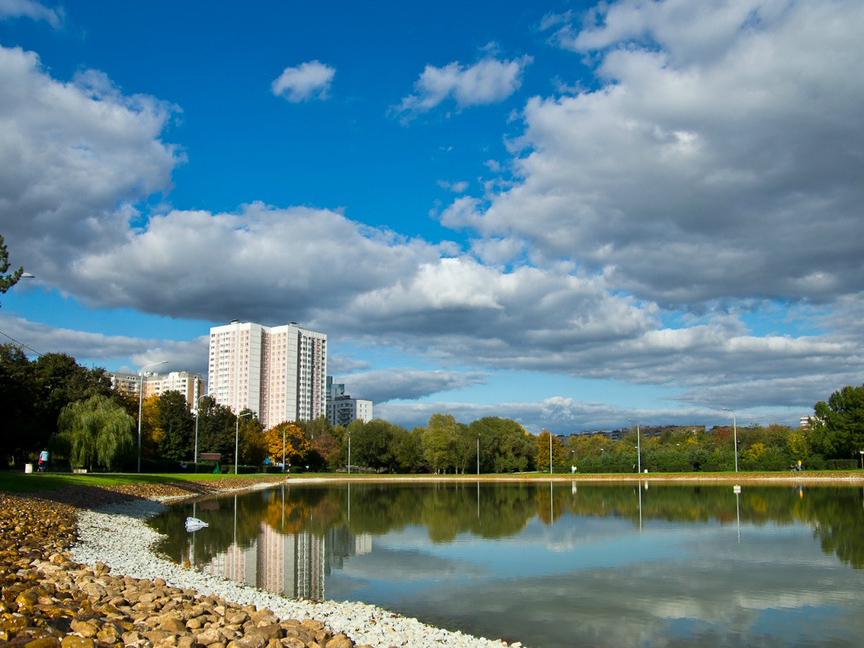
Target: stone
x: 85, y: 628
x: 71, y: 641
x: 252, y: 640
x: 339, y: 641
x: 293, y: 642
x: 173, y: 624
x: 43, y: 642
x: 209, y: 636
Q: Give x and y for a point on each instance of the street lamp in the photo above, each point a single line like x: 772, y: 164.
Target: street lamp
x: 237, y: 437
x: 141, y: 401
x: 478, y: 455
x: 735, y: 435
x: 349, y: 451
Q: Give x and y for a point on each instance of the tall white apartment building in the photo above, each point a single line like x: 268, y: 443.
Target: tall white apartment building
x: 278, y: 372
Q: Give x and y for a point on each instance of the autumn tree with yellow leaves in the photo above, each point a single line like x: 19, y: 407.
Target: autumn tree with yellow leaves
x: 296, y: 445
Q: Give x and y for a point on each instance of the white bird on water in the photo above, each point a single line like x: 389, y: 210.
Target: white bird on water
x: 193, y: 524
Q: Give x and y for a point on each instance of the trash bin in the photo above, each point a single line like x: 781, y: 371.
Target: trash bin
x: 28, y: 467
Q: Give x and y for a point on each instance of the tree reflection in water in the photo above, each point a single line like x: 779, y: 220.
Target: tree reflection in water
x: 496, y: 509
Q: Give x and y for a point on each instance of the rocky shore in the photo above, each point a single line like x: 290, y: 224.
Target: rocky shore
x: 75, y: 572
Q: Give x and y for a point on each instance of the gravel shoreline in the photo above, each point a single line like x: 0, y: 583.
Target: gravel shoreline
x: 117, y: 536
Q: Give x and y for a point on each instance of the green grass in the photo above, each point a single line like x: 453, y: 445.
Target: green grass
x: 19, y: 482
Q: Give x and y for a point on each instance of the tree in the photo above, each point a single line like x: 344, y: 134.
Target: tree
x: 216, y: 428
x: 838, y: 430
x: 505, y: 446
x: 408, y: 451
x: 439, y: 442
x: 60, y: 380
x: 252, y: 444
x: 151, y: 432
x: 98, y: 432
x: 175, y: 424
x: 17, y: 403
x: 296, y: 444
x: 7, y: 280
x: 542, y: 455
x: 324, y: 450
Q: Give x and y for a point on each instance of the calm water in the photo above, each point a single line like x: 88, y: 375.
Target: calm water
x: 555, y: 565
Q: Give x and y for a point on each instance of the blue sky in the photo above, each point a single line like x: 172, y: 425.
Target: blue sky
x: 572, y: 214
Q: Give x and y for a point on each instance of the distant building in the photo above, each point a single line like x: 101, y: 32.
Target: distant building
x: 342, y: 409
x: 191, y: 385
x: 278, y: 372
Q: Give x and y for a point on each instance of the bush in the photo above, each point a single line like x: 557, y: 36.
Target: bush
x: 841, y: 464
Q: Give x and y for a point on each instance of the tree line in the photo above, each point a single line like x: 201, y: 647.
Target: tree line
x: 54, y: 402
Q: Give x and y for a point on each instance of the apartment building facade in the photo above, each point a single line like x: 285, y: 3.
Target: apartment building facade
x: 191, y: 385
x: 342, y: 409
x: 278, y: 372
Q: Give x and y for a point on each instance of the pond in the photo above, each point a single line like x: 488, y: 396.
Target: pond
x: 554, y: 564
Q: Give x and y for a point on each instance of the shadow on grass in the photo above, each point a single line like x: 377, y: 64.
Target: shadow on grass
x: 93, y: 491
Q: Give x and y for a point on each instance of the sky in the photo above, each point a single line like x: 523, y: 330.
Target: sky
x: 578, y: 215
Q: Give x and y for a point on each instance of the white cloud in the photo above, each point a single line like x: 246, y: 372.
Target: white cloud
x: 75, y: 157
x: 657, y: 183
x: 310, y: 80
x: 717, y: 158
x: 182, y: 355
x: 390, y: 384
x: 460, y: 186
x: 487, y: 81
x: 33, y: 10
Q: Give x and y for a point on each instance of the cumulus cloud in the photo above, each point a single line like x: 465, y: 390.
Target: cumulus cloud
x: 33, y: 10
x: 391, y: 384
x: 655, y: 189
x: 487, y: 81
x: 310, y: 80
x: 182, y: 355
x: 717, y: 156
x: 76, y: 156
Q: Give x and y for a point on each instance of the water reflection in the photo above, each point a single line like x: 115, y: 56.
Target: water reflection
x: 620, y: 564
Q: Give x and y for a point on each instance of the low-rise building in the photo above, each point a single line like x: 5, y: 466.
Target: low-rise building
x: 191, y: 385
x: 342, y: 409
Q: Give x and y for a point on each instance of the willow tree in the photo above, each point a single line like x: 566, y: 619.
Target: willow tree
x: 98, y: 432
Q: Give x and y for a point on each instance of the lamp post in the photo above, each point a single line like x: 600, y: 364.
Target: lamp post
x: 283, y: 448
x: 349, y: 451
x: 237, y: 437
x: 638, y: 449
x: 141, y: 402
x: 735, y: 435
x: 197, y: 416
x: 478, y: 455
x: 550, y: 454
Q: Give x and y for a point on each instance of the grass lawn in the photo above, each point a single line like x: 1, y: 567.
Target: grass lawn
x: 19, y: 482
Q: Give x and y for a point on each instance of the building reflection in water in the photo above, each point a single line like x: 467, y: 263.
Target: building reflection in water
x: 294, y: 565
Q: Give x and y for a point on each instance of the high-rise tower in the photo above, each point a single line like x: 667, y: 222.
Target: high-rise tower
x: 278, y: 372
